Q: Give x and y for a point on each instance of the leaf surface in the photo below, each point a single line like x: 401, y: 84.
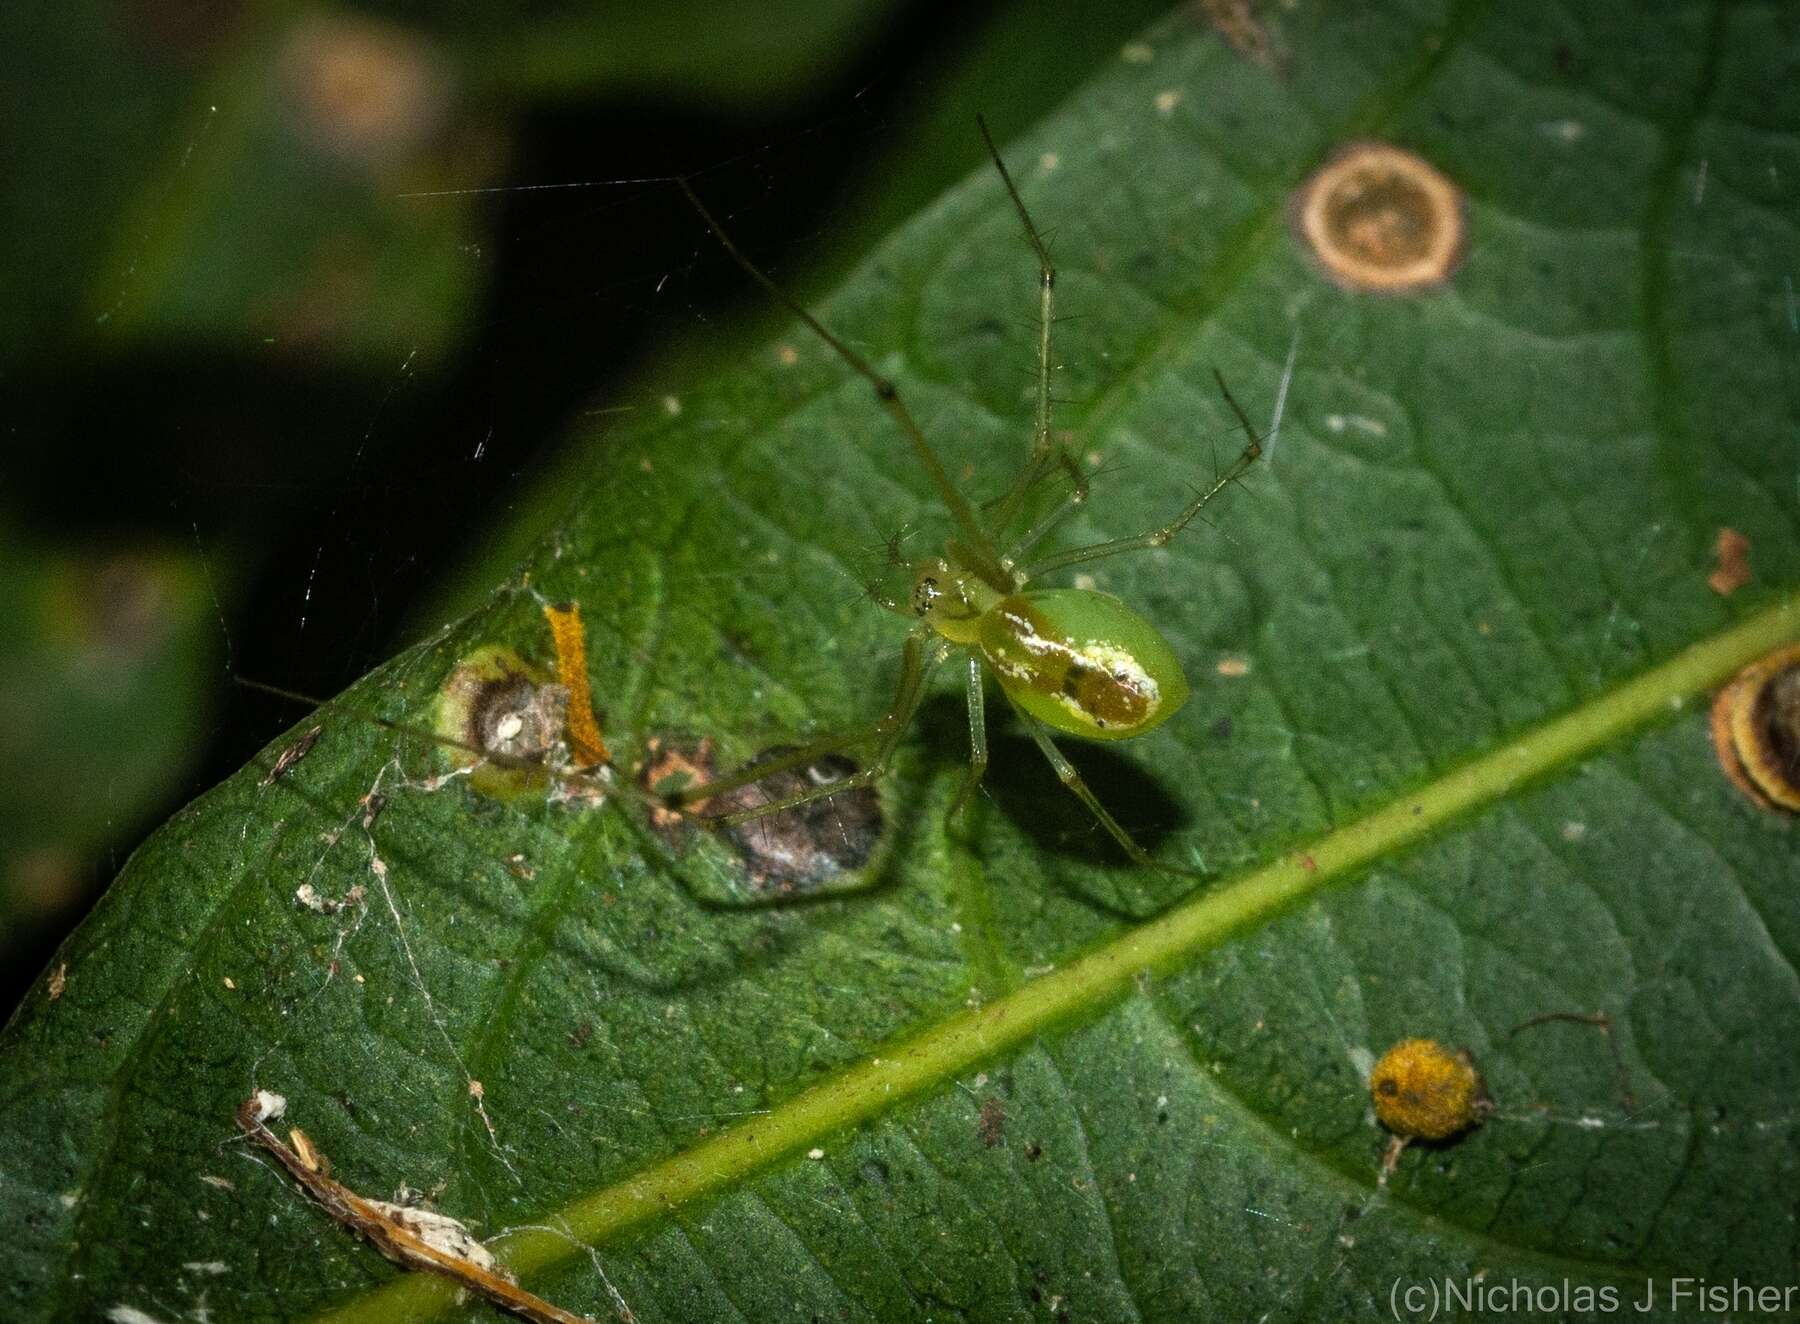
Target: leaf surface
x: 1445, y: 764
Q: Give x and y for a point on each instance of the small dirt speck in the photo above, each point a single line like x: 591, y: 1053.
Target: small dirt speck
x: 990, y: 1122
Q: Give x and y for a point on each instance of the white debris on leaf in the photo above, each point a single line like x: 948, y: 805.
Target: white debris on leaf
x: 442, y: 1233
x: 269, y: 1105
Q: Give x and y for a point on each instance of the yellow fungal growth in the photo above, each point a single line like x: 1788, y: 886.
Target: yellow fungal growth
x: 1424, y: 1091
x: 566, y: 629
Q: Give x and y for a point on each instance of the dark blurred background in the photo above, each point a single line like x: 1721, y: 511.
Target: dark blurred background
x: 299, y: 301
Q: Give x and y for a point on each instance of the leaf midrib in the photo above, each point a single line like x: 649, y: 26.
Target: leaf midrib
x: 1088, y: 984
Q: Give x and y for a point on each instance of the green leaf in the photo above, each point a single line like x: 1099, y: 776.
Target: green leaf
x: 1446, y: 765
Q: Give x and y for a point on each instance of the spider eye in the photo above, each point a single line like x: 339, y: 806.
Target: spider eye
x: 925, y: 595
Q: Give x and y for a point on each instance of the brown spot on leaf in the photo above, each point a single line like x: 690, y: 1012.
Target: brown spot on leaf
x: 503, y: 717
x: 669, y: 768
x: 1377, y: 217
x: 1243, y: 29
x: 790, y: 852
x: 1755, y: 723
x: 990, y: 1122
x: 1731, y: 565
x: 798, y: 849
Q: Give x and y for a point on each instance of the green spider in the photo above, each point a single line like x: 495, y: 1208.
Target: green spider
x: 1070, y: 660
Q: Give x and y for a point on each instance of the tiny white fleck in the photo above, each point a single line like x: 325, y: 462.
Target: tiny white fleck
x: 1373, y: 426
x: 1167, y: 100
x: 205, y: 1266
x: 1573, y: 830
x: 1048, y: 162
x: 1137, y: 52
x: 815, y: 1153
x: 509, y: 727
x: 671, y: 405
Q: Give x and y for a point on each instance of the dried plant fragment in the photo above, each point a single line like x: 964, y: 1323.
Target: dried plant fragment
x: 417, y: 1239
x: 285, y: 761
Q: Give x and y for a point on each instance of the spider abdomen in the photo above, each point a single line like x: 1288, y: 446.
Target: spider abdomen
x: 1082, y: 662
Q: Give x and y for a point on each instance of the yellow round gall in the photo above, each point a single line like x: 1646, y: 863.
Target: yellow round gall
x: 1424, y: 1091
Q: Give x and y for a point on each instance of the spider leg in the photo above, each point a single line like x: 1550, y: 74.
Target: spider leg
x: 978, y: 750
x: 886, y: 392
x: 1069, y: 777
x: 915, y: 668
x: 1077, y: 497
x: 1044, y: 455
x: 1159, y: 537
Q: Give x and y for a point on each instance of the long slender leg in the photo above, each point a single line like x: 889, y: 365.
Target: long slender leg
x: 914, y: 671
x: 885, y: 391
x: 911, y: 679
x: 1032, y: 536
x: 1158, y: 537
x: 1043, y: 454
x: 1069, y: 777
x: 978, y: 751
x: 830, y: 743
